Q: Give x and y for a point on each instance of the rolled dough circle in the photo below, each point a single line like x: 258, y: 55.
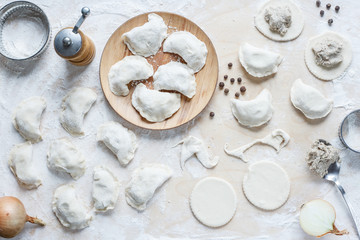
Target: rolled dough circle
x: 213, y: 201
x: 266, y: 185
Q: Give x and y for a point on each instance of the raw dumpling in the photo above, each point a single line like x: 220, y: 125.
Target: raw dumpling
x: 20, y: 163
x: 253, y: 113
x: 154, y: 105
x: 146, y: 39
x: 74, y: 107
x: 26, y: 118
x: 175, y: 76
x: 128, y: 69
x: 309, y: 100
x: 191, y: 49
x: 69, y: 209
x: 63, y: 156
x: 144, y: 182
x: 328, y: 55
x: 105, y: 189
x: 120, y: 140
x: 280, y: 20
x: 259, y: 62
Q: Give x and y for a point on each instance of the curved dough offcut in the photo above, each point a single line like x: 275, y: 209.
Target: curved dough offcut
x: 297, y: 21
x: 310, y: 101
x: 130, y: 68
x: 253, y: 113
x: 266, y: 185
x: 26, y: 118
x: 213, y: 201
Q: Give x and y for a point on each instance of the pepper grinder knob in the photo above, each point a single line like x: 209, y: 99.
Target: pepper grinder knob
x: 85, y: 11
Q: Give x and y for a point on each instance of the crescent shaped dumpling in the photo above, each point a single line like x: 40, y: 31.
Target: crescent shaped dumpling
x: 130, y: 68
x: 309, y: 100
x: 189, y: 47
x: 175, y: 76
x: 146, y: 40
x: 27, y: 116
x: 259, y: 62
x: 154, y: 105
x: 253, y: 113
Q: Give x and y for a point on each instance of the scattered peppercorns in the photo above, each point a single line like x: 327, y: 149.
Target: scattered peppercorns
x: 226, y: 91
x: 337, y: 8
x: 328, y: 6
x: 318, y: 3
x: 239, y: 80
x: 232, y: 80
x: 237, y: 94
x: 212, y: 114
x: 226, y: 77
x: 230, y: 65
x: 322, y: 13
x: 330, y: 21
x: 243, y: 89
x: 221, y: 85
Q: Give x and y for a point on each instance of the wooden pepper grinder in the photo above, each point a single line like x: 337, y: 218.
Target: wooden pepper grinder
x: 73, y: 45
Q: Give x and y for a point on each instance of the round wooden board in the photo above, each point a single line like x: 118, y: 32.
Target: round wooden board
x: 206, y: 78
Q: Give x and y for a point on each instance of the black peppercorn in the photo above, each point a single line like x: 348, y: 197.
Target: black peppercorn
x: 212, y: 114
x: 242, y: 89
x: 221, y: 85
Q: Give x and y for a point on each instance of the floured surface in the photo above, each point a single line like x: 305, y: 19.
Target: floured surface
x: 168, y: 214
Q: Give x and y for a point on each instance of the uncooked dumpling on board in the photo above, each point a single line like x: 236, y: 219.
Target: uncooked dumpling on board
x: 146, y: 39
x: 154, y: 105
x: 280, y: 20
x: 259, y: 62
x: 145, y: 180
x: 175, y: 76
x: 310, y: 101
x: 75, y: 106
x: 130, y: 68
x: 120, y: 140
x: 189, y: 47
x: 27, y: 116
x: 255, y: 112
x: 21, y: 165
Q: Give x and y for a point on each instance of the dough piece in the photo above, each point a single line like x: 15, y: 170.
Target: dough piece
x: 69, y: 209
x: 259, y: 62
x: 128, y: 69
x: 154, y: 105
x: 189, y: 47
x: 253, y: 113
x: 175, y: 76
x: 272, y: 19
x: 75, y: 106
x: 266, y: 185
x: 309, y: 100
x: 145, y: 180
x: 63, y: 156
x: 120, y: 140
x: 146, y: 39
x: 20, y: 163
x: 105, y: 189
x: 194, y: 146
x: 213, y: 201
x: 328, y: 55
x: 276, y: 139
x: 26, y: 118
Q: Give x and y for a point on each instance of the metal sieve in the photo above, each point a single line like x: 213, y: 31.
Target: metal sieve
x: 349, y: 131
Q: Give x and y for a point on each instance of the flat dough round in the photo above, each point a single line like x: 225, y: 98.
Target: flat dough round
x: 321, y: 72
x: 266, y: 185
x: 213, y: 201
x: 297, y: 21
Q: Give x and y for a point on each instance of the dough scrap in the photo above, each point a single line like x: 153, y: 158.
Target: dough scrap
x: 321, y: 58
x: 146, y: 39
x: 145, y: 180
x: 194, y: 146
x: 75, y: 106
x: 266, y: 185
x: 255, y: 112
x: 175, y: 76
x: 189, y: 47
x: 309, y: 100
x: 276, y: 139
x: 154, y: 105
x: 213, y: 201
x: 20, y: 163
x: 105, y: 189
x: 120, y: 140
x: 292, y: 31
x: 69, y: 209
x: 63, y: 156
x: 27, y: 116
x: 130, y: 68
